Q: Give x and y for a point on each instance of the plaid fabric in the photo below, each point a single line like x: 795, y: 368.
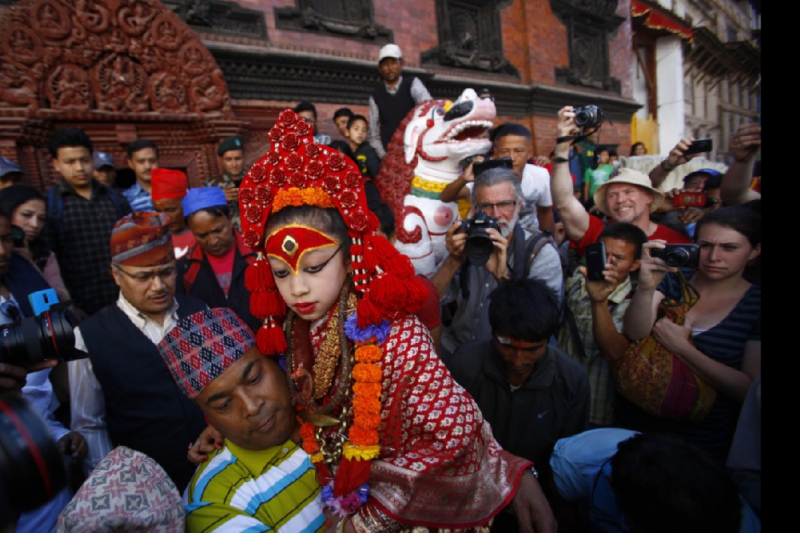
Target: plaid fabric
x: 128, y: 491
x: 598, y: 369
x: 203, y: 346
x: 142, y: 240
x: 80, y: 241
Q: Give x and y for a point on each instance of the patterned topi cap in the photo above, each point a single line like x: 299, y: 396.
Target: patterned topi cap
x: 141, y: 239
x: 128, y: 491
x: 204, y: 345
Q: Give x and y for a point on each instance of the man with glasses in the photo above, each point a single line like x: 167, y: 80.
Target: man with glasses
x: 517, y: 254
x: 530, y: 392
x: 123, y: 394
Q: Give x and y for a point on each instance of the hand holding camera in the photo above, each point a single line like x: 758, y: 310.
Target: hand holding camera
x: 231, y: 193
x: 455, y: 241
x: 12, y: 378
x: 602, y: 277
x: 653, y: 269
x: 746, y: 143
x: 686, y: 150
x: 566, y: 122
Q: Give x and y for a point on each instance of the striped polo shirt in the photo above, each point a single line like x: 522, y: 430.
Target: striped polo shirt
x: 244, y: 490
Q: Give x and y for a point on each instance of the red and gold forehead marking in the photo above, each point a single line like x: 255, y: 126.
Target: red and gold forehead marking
x: 291, y: 243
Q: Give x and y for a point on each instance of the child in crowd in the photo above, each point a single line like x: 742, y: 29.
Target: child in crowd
x: 593, y: 178
x: 365, y: 157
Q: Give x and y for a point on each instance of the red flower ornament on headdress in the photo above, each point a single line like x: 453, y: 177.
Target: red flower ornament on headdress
x: 295, y: 172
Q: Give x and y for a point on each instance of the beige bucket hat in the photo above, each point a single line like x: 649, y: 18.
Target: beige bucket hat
x: 633, y: 177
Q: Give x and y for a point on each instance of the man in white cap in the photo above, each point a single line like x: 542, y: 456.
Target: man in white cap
x: 628, y: 196
x: 391, y: 101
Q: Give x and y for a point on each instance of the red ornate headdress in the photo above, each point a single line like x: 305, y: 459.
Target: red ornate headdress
x: 297, y: 171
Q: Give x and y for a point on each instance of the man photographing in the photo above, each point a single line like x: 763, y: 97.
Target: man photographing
x: 497, y: 193
x: 628, y: 196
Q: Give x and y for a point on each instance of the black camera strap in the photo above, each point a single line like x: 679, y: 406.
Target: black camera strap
x: 575, y: 139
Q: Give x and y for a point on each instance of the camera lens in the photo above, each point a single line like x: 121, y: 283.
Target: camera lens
x: 479, y: 247
x: 40, y: 338
x: 31, y: 468
x: 677, y: 257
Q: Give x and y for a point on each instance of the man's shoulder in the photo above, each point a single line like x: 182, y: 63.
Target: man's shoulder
x: 188, y: 305
x: 214, y: 478
x: 535, y: 172
x: 670, y: 235
x: 466, y: 363
x: 100, y: 320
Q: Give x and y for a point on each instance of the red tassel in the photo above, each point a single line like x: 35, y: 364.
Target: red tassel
x: 270, y: 339
x: 350, y: 475
x: 323, y: 474
x: 368, y: 313
x: 267, y: 303
x: 258, y: 276
x: 398, y: 297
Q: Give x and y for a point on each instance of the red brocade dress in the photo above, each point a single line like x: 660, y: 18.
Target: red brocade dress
x: 440, y: 466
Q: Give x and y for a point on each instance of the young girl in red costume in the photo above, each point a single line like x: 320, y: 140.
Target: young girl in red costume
x: 396, y: 442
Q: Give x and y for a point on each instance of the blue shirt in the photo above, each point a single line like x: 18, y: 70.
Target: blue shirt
x: 139, y: 198
x: 582, y: 469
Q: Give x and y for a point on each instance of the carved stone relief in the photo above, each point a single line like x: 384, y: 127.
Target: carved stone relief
x: 345, y: 18
x: 118, y: 56
x: 590, y: 24
x: 470, y: 36
x: 217, y: 16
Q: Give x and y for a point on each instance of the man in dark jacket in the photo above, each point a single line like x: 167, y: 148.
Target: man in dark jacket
x: 391, y: 101
x: 123, y: 394
x: 531, y: 393
x: 213, y: 270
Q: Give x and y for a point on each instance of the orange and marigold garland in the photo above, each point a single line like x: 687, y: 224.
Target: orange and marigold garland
x: 296, y: 197
x: 367, y: 375
x: 363, y: 439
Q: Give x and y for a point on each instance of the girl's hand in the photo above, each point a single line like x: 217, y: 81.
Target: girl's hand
x: 673, y: 337
x: 653, y: 270
x: 208, y: 441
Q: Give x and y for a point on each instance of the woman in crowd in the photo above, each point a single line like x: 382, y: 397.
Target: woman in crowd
x: 391, y: 434
x: 27, y: 209
x: 721, y: 339
x: 638, y: 148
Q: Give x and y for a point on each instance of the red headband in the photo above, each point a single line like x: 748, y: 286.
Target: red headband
x: 297, y: 171
x: 291, y: 243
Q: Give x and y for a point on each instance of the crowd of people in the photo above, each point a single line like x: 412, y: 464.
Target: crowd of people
x: 321, y: 384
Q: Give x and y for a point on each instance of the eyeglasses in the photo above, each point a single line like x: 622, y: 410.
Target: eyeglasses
x: 506, y: 207
x: 507, y: 343
x: 10, y: 310
x: 147, y: 277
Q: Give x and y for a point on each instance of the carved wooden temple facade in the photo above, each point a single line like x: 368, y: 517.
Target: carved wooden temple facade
x: 187, y: 73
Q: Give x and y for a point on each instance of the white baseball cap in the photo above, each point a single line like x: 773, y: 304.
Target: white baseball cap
x: 390, y: 50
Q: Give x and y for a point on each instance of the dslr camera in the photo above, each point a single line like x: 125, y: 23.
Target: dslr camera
x: 31, y: 467
x: 479, y: 246
x: 589, y: 116
x: 679, y: 255
x: 49, y: 335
